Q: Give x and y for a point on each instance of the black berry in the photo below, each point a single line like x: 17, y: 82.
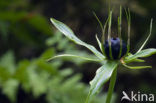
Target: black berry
x: 115, y: 48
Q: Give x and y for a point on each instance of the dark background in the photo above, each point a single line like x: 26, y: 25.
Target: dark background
x: 25, y: 27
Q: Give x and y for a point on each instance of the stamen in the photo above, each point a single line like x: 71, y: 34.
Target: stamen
x: 109, y: 34
x: 102, y: 29
x: 129, y: 27
x: 119, y: 31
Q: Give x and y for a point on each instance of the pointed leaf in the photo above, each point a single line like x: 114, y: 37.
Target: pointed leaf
x: 143, y: 53
x: 103, y: 74
x: 69, y: 33
x: 76, y: 56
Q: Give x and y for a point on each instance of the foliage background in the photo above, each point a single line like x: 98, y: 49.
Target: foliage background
x: 27, y: 39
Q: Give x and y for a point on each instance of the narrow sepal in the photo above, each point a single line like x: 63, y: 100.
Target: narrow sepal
x: 142, y: 53
x: 136, y: 67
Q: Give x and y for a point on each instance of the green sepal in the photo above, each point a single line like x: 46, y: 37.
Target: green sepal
x: 136, y: 67
x: 138, y: 60
x: 135, y: 60
x: 143, y: 53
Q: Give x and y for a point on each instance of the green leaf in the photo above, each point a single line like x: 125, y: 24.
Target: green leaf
x: 4, y: 74
x: 103, y: 74
x: 21, y: 72
x: 69, y: 33
x: 8, y: 61
x: 137, y: 67
x: 10, y: 88
x: 47, y: 54
x: 76, y: 56
x: 37, y: 81
x: 143, y: 53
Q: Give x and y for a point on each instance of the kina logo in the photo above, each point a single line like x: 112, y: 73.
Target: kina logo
x: 140, y: 97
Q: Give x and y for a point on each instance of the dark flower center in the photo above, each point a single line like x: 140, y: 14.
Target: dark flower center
x: 115, y: 48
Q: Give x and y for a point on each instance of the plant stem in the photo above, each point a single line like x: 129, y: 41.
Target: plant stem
x: 111, y: 86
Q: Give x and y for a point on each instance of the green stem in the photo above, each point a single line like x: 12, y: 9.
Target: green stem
x: 111, y: 86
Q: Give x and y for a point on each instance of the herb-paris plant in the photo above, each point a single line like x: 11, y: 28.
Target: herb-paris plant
x: 114, y: 52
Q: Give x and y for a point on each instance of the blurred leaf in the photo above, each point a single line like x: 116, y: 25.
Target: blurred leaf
x: 8, y: 61
x: 46, y: 67
x: 47, y: 54
x: 39, y: 23
x: 37, y: 84
x: 7, y: 3
x: 38, y: 77
x: 13, y: 16
x: 66, y: 72
x: 23, y: 34
x: 63, y: 44
x: 70, y: 82
x: 4, y: 74
x: 4, y: 29
x: 56, y: 38
x: 21, y: 73
x: 10, y: 88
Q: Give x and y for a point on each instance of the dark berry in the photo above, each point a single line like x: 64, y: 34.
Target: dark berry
x: 115, y: 48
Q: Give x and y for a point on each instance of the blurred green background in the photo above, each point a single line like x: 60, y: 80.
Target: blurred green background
x: 27, y: 39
